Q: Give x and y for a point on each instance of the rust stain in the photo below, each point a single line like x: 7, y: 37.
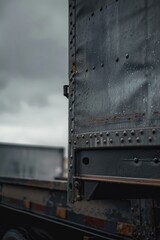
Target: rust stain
x: 13, y: 201
x: 94, y: 222
x: 26, y: 203
x: 118, y: 180
x: 125, y: 229
x: 73, y: 68
x: 119, y: 117
x: 38, y: 207
x: 61, y: 212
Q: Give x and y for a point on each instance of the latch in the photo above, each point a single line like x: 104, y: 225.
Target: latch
x: 66, y: 91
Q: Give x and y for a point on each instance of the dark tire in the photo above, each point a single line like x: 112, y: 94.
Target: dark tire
x: 14, y: 234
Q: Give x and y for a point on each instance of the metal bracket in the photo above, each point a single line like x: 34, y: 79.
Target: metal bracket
x: 66, y: 91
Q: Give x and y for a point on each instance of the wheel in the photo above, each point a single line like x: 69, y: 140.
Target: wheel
x: 14, y: 234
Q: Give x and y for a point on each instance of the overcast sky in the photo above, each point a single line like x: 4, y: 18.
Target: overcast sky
x: 33, y: 70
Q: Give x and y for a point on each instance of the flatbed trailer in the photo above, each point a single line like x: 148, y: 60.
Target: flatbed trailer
x: 39, y: 210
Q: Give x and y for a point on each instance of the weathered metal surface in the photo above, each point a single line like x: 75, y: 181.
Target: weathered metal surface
x: 101, y: 217
x: 117, y: 65
x: 119, y: 138
x: 31, y: 161
x: 39, y: 184
x: 119, y: 218
x: 118, y: 180
x: 120, y: 162
x: 113, y: 87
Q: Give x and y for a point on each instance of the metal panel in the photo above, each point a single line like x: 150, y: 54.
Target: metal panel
x: 31, y: 161
x: 126, y: 162
x: 114, y: 49
x: 117, y: 62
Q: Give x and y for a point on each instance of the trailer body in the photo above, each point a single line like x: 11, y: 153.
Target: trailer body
x: 113, y: 186
x: 114, y: 92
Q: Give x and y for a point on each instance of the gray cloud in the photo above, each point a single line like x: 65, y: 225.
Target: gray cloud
x: 33, y: 48
x: 30, y: 45
x: 33, y: 70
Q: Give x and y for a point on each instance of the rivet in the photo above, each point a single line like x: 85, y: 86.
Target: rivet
x: 150, y: 139
x: 87, y: 142
x: 71, y: 130
x: 71, y: 165
x: 104, y: 141
x: 155, y: 160
x: 117, y: 60
x: 86, y: 70
x: 90, y: 135
x: 129, y: 139
x: 107, y: 134
x: 93, y: 67
x: 117, y: 133
x: 77, y: 136
x: 101, y: 9
x: 98, y: 141
x: 136, y: 160
x: 82, y: 136
x: 125, y: 133
x: 111, y: 140
x: 70, y: 109
x: 141, y: 132
x: 75, y: 142
x: 122, y: 140
x: 77, y: 184
x: 153, y: 131
x: 133, y: 132
x: 138, y: 139
x: 132, y: 209
x: 95, y: 135
x: 102, y: 65
x: 78, y: 197
x: 71, y: 156
x: 127, y: 55
x: 101, y: 134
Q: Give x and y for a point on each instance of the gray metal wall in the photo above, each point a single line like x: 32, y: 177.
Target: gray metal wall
x: 27, y: 161
x: 114, y: 86
x: 117, y: 65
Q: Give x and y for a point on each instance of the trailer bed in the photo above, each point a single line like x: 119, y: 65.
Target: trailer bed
x: 48, y: 199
